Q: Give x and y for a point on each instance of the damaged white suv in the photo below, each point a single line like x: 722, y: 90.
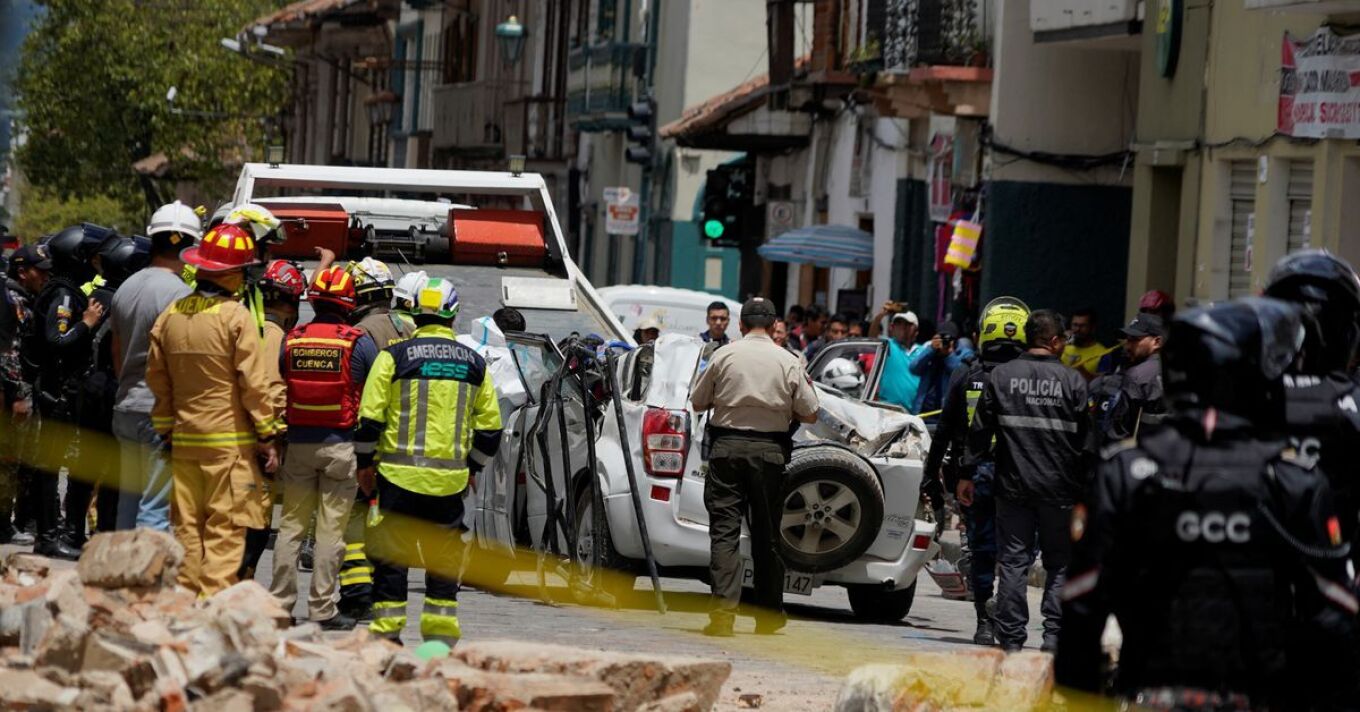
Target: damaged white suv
x: 852, y: 494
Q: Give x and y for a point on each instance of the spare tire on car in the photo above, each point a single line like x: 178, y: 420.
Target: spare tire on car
x: 833, y: 509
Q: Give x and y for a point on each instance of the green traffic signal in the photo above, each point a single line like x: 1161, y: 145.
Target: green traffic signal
x: 714, y: 229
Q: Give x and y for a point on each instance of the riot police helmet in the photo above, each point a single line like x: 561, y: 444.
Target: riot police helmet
x: 1329, y: 291
x: 1229, y: 357
x: 120, y: 257
x: 74, y: 247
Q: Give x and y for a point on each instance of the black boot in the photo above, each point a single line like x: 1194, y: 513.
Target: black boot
x: 985, y: 634
x: 48, y: 520
x: 79, y: 494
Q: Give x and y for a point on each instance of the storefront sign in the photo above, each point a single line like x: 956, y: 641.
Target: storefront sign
x: 621, y: 210
x: 1320, y: 86
x: 1168, y: 37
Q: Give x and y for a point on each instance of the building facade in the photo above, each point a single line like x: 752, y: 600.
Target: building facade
x: 1241, y: 157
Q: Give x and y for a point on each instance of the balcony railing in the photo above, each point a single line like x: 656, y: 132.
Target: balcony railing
x: 533, y: 127
x: 470, y: 117
x: 600, y: 85
x: 930, y: 32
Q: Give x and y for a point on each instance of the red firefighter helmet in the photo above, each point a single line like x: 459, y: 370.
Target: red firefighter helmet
x: 225, y: 248
x: 333, y: 285
x: 285, y: 279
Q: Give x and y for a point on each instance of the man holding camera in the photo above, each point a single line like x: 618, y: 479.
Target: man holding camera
x: 934, y: 365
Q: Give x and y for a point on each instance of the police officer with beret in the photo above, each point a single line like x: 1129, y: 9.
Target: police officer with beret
x: 756, y: 391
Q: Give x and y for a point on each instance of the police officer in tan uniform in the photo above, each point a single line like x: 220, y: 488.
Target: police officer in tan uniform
x: 756, y: 391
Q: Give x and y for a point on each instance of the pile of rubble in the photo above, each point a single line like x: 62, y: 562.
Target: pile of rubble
x: 975, y: 680
x: 116, y: 633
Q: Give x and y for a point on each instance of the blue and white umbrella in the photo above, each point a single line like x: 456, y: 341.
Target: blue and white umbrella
x: 823, y: 246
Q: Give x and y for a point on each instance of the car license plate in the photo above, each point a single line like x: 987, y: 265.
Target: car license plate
x: 794, y: 582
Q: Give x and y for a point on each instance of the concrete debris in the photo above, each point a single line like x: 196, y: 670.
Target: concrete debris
x: 973, y: 680
x: 636, y: 679
x: 117, y: 633
x: 128, y: 559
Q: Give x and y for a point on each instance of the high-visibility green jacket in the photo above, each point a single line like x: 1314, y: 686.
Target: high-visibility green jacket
x: 428, y: 413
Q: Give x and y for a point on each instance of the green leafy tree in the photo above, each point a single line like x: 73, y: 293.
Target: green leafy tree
x: 93, y: 81
x: 45, y: 213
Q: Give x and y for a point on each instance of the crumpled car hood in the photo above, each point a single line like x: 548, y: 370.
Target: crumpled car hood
x: 865, y: 427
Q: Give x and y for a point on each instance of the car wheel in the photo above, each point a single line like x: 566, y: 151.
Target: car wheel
x: 873, y: 603
x: 833, y: 509
x: 617, y: 573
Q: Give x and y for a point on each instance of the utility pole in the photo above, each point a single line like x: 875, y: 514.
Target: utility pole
x: 643, y: 131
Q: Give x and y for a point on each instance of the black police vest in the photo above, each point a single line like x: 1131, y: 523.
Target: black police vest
x: 1204, y: 601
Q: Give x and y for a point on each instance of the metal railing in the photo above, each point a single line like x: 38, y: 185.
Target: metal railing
x: 471, y: 115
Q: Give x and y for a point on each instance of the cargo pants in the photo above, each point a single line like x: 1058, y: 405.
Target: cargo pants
x: 416, y: 528
x: 214, y: 501
x: 745, y: 479
x: 317, y: 481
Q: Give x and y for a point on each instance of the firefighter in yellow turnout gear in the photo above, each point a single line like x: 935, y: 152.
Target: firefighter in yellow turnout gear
x: 429, y: 416
x: 215, y: 406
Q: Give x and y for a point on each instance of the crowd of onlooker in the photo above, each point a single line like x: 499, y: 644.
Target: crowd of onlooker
x: 923, y: 355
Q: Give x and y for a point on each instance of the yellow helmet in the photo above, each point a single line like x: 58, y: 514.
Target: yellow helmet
x: 1001, y: 334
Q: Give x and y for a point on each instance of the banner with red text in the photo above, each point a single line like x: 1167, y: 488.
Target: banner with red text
x: 1320, y: 86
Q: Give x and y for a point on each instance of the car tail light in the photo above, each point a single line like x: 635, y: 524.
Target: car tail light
x: 665, y: 442
x: 920, y: 542
x: 661, y: 494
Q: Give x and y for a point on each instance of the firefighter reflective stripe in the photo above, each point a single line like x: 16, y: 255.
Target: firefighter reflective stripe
x: 317, y: 408
x: 320, y: 341
x: 422, y: 412
x: 389, y: 618
x: 209, y: 439
x: 404, y: 415
x: 162, y: 422
x: 439, y: 620
x: 460, y: 422
x: 355, y: 569
x: 1038, y: 423
x: 356, y: 576
x: 423, y: 462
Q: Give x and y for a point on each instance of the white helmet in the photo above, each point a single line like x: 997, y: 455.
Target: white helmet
x: 842, y: 374
x: 438, y: 297
x: 407, y: 287
x: 255, y: 218
x: 175, y: 217
x: 372, y: 281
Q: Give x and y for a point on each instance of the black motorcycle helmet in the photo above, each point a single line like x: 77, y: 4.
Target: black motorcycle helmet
x: 73, y: 248
x: 1328, y: 289
x: 121, y: 257
x: 1230, y: 357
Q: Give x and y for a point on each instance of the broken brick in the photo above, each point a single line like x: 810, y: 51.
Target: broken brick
x: 635, y: 678
x: 130, y: 559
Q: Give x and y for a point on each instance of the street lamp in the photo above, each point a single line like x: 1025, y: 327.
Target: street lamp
x: 380, y: 107
x: 511, y: 36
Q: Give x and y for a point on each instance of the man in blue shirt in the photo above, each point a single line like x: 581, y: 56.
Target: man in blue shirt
x: 898, y: 385
x: 934, y: 365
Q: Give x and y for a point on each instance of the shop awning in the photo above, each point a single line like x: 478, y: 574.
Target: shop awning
x: 823, y: 246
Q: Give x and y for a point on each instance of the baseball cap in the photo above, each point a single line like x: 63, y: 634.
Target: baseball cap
x: 1144, y: 324
x: 758, y: 306
x: 31, y: 256
x: 907, y: 316
x: 649, y: 323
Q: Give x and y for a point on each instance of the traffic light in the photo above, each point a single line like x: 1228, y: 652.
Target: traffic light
x: 642, y: 132
x: 727, y: 201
